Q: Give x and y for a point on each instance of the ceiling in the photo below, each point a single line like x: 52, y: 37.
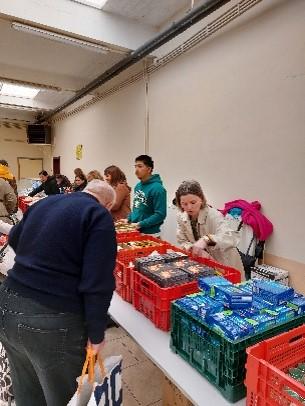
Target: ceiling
x: 44, y: 63
x: 155, y: 13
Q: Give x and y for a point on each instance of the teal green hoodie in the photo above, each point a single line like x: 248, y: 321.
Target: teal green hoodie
x: 149, y: 205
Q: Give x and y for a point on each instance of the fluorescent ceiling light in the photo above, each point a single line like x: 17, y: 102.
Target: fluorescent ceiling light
x: 25, y: 92
x: 60, y: 38
x: 93, y: 3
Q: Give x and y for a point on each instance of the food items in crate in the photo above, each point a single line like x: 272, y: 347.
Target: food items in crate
x: 208, y: 284
x: 246, y: 286
x: 171, y: 256
x: 261, y: 322
x: 124, y: 227
x: 269, y: 272
x: 260, y: 304
x: 233, y: 297
x: 297, y: 304
x: 155, y: 258
x: 230, y: 325
x: 149, y: 260
x: 165, y: 275
x: 194, y: 269
x: 272, y: 291
x: 280, y: 313
x: 199, y: 305
x: 131, y: 245
x: 298, y: 373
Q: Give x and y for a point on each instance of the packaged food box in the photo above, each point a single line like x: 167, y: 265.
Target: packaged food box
x: 165, y: 275
x: 233, y: 297
x: 272, y: 292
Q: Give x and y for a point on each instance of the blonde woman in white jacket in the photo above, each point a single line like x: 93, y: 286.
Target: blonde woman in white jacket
x: 203, y: 229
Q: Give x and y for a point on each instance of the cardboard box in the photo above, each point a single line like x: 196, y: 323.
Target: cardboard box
x: 172, y: 396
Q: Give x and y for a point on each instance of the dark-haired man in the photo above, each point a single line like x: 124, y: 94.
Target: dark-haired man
x: 149, y: 202
x: 48, y: 185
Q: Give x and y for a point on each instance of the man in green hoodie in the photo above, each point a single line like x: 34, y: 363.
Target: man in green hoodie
x: 149, y: 202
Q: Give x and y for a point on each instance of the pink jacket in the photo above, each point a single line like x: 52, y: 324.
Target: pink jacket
x: 252, y: 216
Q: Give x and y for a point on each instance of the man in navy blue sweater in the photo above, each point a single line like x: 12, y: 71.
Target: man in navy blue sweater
x: 55, y: 298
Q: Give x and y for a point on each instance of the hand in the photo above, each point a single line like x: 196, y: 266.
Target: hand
x: 122, y: 221
x: 205, y: 254
x: 96, y: 348
x: 199, y: 246
x: 5, y: 228
x: 136, y: 225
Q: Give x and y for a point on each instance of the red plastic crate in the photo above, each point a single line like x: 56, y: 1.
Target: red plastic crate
x: 161, y: 297
x: 154, y: 301
x: 124, y: 291
x: 160, y: 318
x: 23, y: 206
x: 267, y: 366
x: 231, y: 274
x: 133, y: 253
x: 124, y: 265
x: 124, y: 235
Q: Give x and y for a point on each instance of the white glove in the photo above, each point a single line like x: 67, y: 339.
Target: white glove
x: 5, y: 228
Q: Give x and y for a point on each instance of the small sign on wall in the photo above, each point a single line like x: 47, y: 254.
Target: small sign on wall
x: 79, y: 152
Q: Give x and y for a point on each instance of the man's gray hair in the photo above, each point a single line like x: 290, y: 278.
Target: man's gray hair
x: 102, y: 191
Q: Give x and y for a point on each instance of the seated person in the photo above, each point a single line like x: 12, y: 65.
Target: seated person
x: 203, y: 229
x: 80, y: 182
x: 94, y: 175
x: 63, y: 183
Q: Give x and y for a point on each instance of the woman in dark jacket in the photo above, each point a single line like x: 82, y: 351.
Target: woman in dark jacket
x: 80, y: 182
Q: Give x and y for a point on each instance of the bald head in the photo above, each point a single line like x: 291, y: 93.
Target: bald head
x: 104, y: 193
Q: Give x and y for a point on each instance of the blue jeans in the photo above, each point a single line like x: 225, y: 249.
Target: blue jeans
x: 45, y: 349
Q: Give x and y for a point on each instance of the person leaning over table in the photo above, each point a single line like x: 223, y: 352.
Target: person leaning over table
x: 48, y: 185
x: 203, y: 229
x: 55, y: 298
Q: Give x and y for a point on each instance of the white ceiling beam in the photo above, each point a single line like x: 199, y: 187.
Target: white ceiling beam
x: 79, y: 20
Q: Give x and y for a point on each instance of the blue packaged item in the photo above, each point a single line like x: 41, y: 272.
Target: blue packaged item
x: 245, y: 286
x: 188, y: 305
x: 199, y: 305
x: 261, y: 304
x: 261, y: 322
x: 228, y: 325
x: 233, y: 297
x: 247, y: 312
x: 280, y: 313
x: 207, y: 285
x: 272, y: 292
x: 297, y: 304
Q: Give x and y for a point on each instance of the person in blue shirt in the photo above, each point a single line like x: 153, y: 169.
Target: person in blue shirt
x: 149, y: 202
x: 55, y: 299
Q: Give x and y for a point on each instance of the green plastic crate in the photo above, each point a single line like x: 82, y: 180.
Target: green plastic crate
x: 220, y: 360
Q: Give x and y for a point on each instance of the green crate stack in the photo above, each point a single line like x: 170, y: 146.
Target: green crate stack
x: 220, y: 360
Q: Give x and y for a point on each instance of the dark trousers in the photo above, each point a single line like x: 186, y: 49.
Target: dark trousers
x: 45, y: 349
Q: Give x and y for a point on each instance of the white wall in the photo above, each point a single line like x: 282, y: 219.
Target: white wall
x: 13, y: 144
x: 229, y: 113
x: 111, y: 133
